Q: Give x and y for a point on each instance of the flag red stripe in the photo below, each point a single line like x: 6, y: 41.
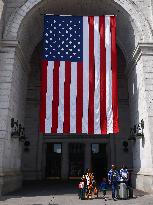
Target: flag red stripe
x: 43, y: 95
x: 79, y: 100
x: 55, y: 101
x: 103, y: 117
x: 91, y: 76
x: 66, y: 126
x: 114, y: 74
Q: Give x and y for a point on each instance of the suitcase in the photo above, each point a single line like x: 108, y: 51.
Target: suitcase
x: 123, y: 191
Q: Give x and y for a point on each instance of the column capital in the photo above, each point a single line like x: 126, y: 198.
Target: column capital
x: 142, y: 49
x: 5, y: 44
x: 9, y: 43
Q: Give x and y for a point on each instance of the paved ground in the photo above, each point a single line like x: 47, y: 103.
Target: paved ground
x: 47, y: 193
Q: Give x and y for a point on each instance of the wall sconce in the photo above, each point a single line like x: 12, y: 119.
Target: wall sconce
x: 137, y: 131
x: 14, y: 128
x: 140, y: 129
x: 17, y: 131
x: 21, y: 133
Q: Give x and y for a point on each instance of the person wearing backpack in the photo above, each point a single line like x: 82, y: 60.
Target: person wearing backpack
x: 113, y: 180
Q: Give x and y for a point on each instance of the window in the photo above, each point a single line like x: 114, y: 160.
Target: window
x: 95, y: 148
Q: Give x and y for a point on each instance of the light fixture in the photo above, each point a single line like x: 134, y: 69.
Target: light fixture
x: 136, y: 132
x: 140, y: 128
x: 14, y: 128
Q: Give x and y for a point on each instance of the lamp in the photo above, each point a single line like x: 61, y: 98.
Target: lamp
x: 137, y: 131
x: 140, y: 128
x: 17, y: 130
x: 21, y: 133
x: 14, y: 128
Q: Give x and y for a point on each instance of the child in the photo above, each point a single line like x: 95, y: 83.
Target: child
x: 95, y: 191
x: 82, y: 188
x: 104, y: 187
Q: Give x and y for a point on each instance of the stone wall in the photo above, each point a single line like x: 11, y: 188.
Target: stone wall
x: 139, y: 103
x: 30, y: 159
x: 13, y: 78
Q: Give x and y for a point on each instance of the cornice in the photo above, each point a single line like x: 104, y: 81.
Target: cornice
x: 142, y: 49
x: 145, y: 49
x: 18, y: 50
x: 8, y: 43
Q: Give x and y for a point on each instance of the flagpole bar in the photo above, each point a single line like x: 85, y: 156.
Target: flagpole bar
x: 71, y: 15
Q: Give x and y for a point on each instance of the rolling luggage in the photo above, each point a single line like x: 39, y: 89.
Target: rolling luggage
x: 123, y: 191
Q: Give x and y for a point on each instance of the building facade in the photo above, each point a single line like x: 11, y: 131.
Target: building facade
x: 61, y: 156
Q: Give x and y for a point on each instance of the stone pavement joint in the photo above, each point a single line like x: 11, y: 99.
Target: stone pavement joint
x: 55, y: 193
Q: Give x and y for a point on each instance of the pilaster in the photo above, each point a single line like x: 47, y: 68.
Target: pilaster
x: 87, y: 158
x: 65, y: 161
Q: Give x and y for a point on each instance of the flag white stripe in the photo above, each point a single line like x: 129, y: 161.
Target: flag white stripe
x: 61, y: 97
x: 97, y: 76
x: 85, y: 74
x: 109, y: 111
x: 49, y: 97
x: 73, y: 94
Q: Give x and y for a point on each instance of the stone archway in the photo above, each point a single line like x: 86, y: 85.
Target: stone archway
x: 134, y: 18
x: 23, y: 32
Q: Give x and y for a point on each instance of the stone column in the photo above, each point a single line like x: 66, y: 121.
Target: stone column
x: 140, y: 78
x: 87, y: 156
x: 65, y: 161
x: 13, y: 78
x: 1, y: 18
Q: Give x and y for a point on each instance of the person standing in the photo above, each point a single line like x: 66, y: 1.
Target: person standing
x: 113, y: 179
x: 88, y: 184
x: 124, y: 174
x: 125, y: 177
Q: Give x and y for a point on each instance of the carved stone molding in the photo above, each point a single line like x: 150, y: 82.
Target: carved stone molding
x: 18, y: 51
x: 142, y: 49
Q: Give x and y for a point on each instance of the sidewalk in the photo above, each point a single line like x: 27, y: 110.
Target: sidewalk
x: 49, y: 193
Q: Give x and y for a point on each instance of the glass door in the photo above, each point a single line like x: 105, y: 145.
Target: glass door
x: 99, y: 160
x: 53, y: 160
x: 76, y: 160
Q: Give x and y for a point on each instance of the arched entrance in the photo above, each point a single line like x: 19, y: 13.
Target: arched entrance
x: 109, y: 148
x: 23, y: 34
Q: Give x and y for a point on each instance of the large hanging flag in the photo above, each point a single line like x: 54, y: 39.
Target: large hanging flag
x: 79, y: 91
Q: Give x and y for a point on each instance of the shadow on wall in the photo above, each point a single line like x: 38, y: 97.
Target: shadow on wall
x: 135, y: 98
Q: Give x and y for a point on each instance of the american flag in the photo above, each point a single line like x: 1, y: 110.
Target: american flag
x: 79, y: 91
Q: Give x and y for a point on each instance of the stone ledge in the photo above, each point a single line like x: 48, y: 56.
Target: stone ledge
x: 4, y: 44
x: 10, y: 173
x: 142, y: 49
x: 146, y: 172
x: 8, y: 43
